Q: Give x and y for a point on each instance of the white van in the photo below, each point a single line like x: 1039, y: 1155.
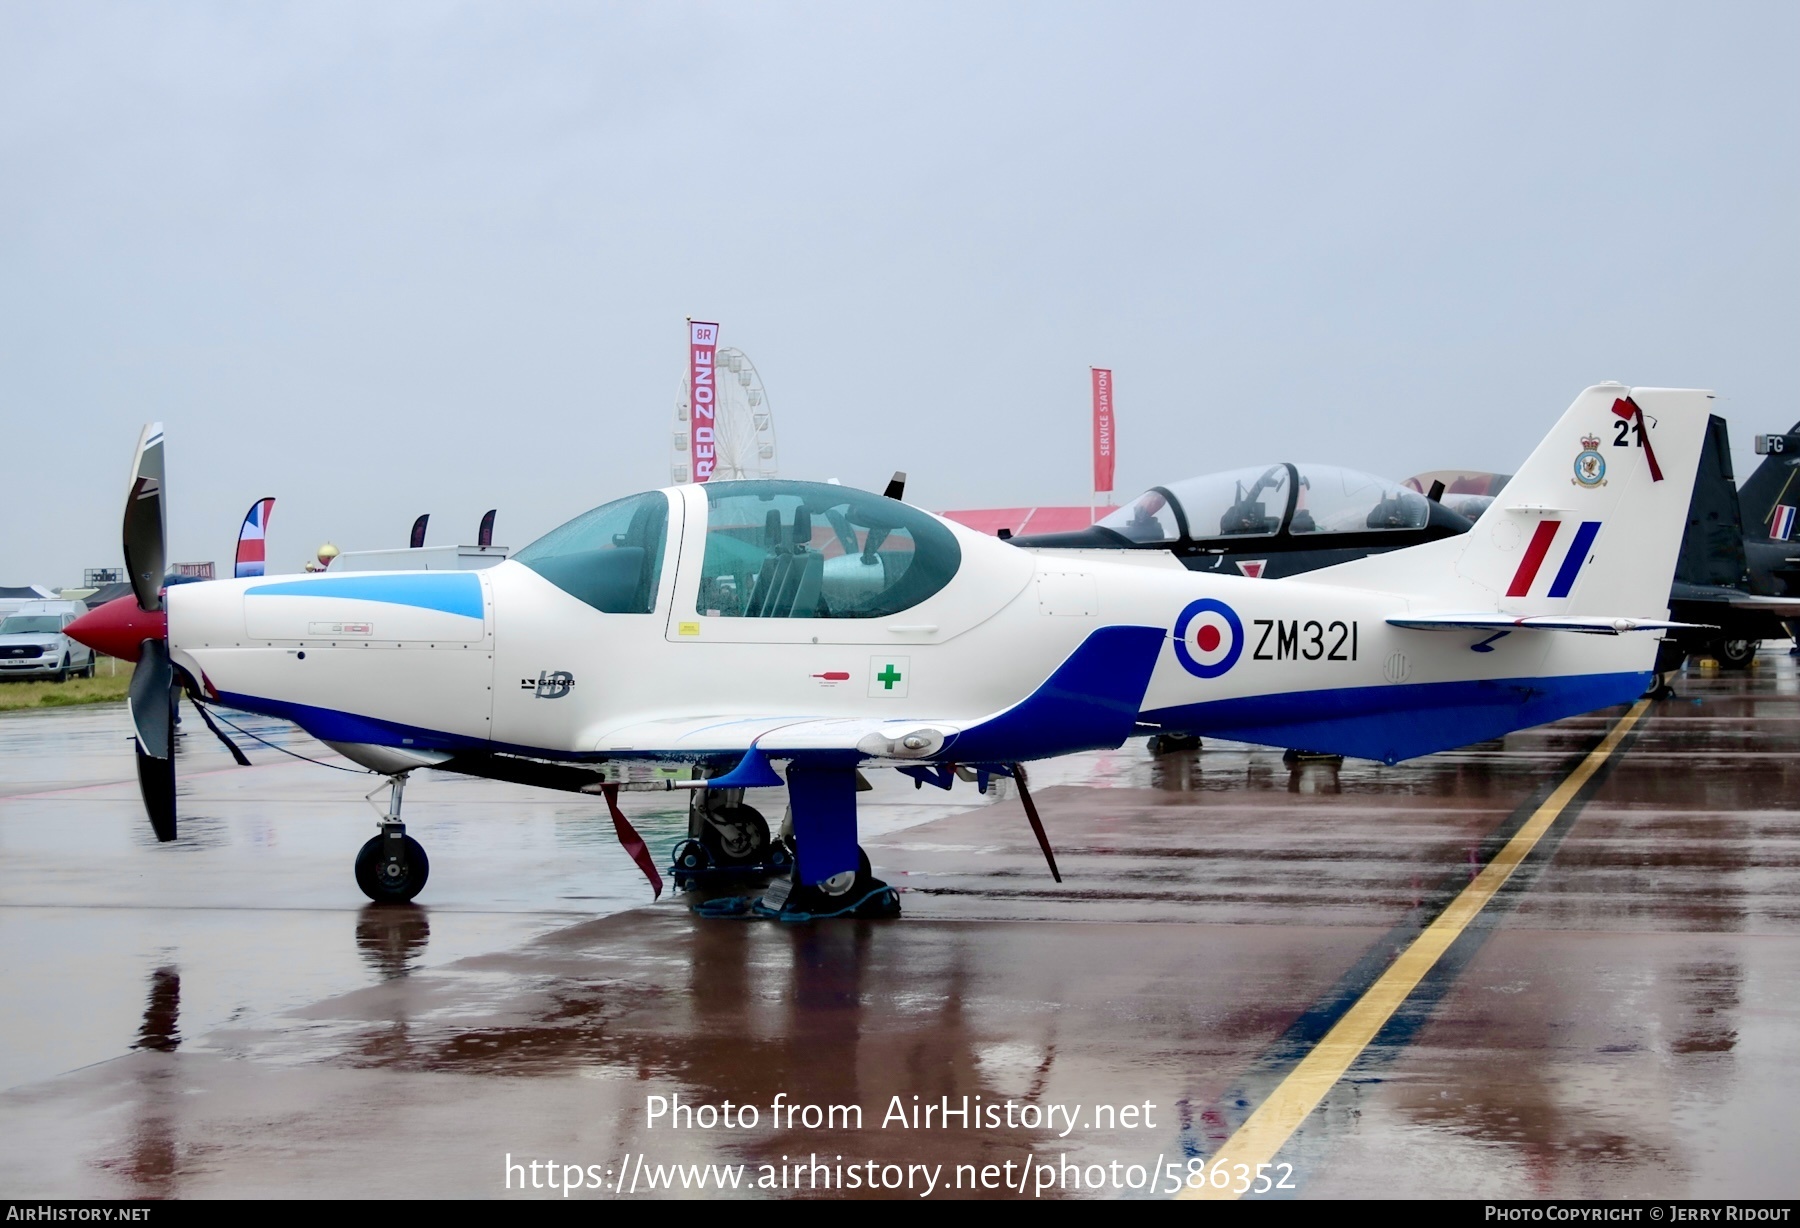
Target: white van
x: 32, y: 643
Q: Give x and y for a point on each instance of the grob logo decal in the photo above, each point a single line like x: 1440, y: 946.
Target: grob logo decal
x: 548, y: 684
x: 1209, y: 639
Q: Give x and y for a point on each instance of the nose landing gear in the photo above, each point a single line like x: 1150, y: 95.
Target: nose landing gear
x: 392, y: 867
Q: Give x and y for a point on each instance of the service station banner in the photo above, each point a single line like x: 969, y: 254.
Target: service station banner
x: 1103, y: 429
x: 703, y: 341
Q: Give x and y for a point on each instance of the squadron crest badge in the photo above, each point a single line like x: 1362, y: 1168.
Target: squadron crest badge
x: 1590, y: 466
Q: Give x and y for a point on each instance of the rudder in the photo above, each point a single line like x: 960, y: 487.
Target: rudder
x: 1590, y: 524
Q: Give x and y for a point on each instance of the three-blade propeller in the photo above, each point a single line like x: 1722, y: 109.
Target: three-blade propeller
x: 141, y: 634
x: 153, y: 693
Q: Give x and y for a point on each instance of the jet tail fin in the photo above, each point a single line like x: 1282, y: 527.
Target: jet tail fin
x: 1712, y: 550
x: 1590, y: 525
x: 1774, y: 485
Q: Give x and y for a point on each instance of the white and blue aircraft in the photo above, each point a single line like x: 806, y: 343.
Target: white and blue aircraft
x: 778, y: 633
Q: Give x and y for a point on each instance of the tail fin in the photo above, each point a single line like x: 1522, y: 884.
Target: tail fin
x: 1591, y: 523
x: 1712, y: 550
x: 1775, y: 483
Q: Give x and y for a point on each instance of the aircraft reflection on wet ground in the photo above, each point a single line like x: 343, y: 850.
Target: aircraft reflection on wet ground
x: 1618, y: 1022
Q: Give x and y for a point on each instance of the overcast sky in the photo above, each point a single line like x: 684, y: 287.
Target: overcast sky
x: 383, y: 259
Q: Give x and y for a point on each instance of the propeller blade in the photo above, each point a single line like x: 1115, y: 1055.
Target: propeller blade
x: 896, y: 487
x: 145, y: 554
x: 152, y: 701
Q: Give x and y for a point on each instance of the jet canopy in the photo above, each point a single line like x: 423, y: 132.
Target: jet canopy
x: 1296, y: 499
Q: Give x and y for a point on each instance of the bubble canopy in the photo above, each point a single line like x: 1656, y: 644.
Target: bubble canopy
x: 1301, y: 500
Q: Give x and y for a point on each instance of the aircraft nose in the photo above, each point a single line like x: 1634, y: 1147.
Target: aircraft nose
x: 118, y: 627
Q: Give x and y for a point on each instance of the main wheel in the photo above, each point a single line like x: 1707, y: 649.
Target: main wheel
x: 843, y: 884
x: 860, y: 895
x: 1734, y: 654
x: 390, y: 876
x: 736, y: 836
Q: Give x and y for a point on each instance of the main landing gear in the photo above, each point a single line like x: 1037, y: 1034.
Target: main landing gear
x: 848, y: 893
x: 818, y: 872
x: 392, y: 867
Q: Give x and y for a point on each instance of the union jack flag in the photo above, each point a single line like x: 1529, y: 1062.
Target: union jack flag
x: 251, y: 539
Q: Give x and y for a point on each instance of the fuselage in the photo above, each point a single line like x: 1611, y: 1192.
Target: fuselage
x: 508, y: 659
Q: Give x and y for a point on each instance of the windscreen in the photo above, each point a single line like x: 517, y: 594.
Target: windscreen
x: 1147, y: 518
x: 610, y: 557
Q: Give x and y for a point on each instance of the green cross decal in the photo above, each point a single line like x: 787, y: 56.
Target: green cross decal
x: 888, y: 677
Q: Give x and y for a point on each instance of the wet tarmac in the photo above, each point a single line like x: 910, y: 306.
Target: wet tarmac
x: 227, y: 1016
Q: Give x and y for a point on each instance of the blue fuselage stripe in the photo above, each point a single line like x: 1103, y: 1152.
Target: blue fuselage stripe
x: 1391, y: 723
x: 453, y: 592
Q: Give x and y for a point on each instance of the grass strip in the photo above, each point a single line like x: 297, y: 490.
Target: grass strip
x: 102, y: 688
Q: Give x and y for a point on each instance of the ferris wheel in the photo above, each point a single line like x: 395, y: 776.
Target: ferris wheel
x: 745, y: 427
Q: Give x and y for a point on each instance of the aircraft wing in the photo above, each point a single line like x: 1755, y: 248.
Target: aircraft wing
x: 1581, y: 625
x: 778, y: 735
x: 1089, y: 702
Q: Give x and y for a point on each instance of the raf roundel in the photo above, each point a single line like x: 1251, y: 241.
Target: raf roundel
x: 1209, y: 638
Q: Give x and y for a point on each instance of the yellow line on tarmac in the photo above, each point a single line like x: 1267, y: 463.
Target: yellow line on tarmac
x: 1262, y: 1137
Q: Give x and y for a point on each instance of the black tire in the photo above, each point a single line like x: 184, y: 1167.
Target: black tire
x: 1671, y: 655
x: 392, y: 880
x: 862, y: 897
x: 864, y: 872
x: 88, y: 670
x: 62, y: 675
x: 1734, y: 654
x: 690, y: 857
x: 747, y: 844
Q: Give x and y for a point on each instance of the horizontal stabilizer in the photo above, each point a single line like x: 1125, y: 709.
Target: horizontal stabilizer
x: 1580, y: 624
x: 1779, y: 607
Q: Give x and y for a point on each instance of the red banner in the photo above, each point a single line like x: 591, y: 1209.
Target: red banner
x: 703, y: 341
x: 1104, y: 437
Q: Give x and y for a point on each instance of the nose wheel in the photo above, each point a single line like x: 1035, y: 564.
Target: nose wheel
x: 392, y: 867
